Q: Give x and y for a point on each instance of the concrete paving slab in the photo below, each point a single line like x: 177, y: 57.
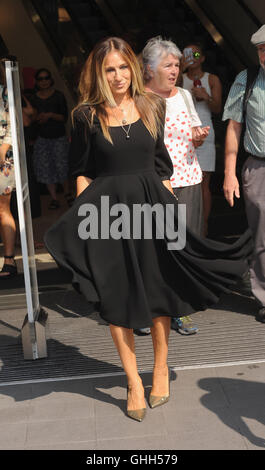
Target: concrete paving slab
x: 201, y: 428
x: 14, y: 413
x: 255, y: 436
x: 153, y: 442
x: 60, y: 431
x: 90, y: 414
x: 240, y: 392
x: 191, y: 398
x: 60, y: 410
x: 116, y: 427
x: 86, y: 445
x: 13, y: 435
x: 107, y: 402
x: 75, y: 390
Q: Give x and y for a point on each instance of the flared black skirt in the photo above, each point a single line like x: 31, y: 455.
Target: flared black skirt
x: 133, y: 276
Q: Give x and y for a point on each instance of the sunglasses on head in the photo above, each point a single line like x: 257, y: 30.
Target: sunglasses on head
x: 47, y: 77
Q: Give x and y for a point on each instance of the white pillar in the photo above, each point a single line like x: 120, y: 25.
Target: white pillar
x: 33, y: 330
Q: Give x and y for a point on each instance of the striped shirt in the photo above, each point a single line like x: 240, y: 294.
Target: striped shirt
x: 254, y: 138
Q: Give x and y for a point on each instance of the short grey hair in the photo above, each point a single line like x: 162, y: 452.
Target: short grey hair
x: 154, y: 50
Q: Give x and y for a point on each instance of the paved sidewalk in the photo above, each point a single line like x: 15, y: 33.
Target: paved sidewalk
x: 212, y: 408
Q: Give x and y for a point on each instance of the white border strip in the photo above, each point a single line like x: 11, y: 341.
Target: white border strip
x: 116, y: 374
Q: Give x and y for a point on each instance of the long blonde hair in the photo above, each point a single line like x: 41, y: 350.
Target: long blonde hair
x: 95, y: 91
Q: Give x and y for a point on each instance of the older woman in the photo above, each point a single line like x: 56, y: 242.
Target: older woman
x: 161, y: 61
x: 122, y: 165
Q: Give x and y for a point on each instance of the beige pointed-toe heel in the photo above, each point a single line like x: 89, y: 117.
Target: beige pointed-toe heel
x: 155, y: 401
x: 137, y: 415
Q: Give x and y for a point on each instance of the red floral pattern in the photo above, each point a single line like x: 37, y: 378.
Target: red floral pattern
x: 178, y: 140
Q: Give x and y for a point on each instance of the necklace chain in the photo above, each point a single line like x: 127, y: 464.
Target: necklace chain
x: 122, y: 123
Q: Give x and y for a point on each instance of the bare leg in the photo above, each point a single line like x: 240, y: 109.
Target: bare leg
x: 160, y: 334
x: 207, y: 199
x: 124, y: 341
x: 8, y: 229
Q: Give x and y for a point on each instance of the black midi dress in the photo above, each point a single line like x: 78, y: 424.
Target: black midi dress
x: 135, y: 278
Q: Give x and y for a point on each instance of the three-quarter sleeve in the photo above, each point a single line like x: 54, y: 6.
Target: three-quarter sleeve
x: 81, y: 158
x: 163, y: 162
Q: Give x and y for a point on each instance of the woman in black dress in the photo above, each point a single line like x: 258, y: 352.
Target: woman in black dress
x: 120, y: 161
x: 51, y: 149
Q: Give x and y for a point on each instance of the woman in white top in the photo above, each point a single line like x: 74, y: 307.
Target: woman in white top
x: 206, y: 90
x: 161, y: 63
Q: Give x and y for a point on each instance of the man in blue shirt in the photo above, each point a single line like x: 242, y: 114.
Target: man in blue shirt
x: 253, y: 172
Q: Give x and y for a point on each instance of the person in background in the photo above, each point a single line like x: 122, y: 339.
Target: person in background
x: 161, y: 60
x: 253, y: 171
x: 206, y: 90
x: 7, y: 183
x: 51, y: 149
x: 29, y: 116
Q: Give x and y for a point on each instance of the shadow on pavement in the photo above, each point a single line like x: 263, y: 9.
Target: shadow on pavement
x: 245, y: 400
x: 62, y: 357
x: 66, y: 359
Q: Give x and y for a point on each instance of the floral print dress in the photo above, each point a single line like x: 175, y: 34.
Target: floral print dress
x: 7, y: 177
x: 178, y: 141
